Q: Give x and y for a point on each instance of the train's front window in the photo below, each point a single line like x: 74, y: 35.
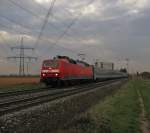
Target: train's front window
x: 51, y: 63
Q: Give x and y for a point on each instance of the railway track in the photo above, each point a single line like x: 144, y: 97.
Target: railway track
x: 20, y: 92
x: 24, y: 100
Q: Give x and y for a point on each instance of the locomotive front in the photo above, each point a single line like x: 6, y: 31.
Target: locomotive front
x: 50, y: 72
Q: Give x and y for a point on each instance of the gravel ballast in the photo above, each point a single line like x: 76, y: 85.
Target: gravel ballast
x: 49, y: 117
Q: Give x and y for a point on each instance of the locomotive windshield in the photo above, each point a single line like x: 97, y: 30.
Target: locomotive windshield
x: 51, y: 63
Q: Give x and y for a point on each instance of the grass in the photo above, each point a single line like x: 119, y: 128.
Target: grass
x: 116, y: 114
x: 20, y: 87
x: 144, y: 88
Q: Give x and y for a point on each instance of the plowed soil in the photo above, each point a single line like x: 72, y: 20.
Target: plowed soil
x: 5, y: 81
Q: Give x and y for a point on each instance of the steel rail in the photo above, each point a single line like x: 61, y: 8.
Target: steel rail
x: 20, y: 92
x: 18, y: 104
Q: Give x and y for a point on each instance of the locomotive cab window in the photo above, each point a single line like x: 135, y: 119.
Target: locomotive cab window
x: 52, y: 64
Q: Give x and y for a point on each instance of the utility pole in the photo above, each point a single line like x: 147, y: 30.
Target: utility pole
x: 22, y: 57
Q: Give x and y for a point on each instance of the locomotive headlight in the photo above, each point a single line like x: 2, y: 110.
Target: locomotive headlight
x: 43, y: 74
x: 56, y: 74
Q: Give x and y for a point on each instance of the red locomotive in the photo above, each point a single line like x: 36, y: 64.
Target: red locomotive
x: 62, y: 69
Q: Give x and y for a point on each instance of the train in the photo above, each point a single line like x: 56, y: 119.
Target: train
x: 64, y: 70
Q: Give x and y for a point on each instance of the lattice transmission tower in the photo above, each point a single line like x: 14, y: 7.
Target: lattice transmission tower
x: 22, y: 58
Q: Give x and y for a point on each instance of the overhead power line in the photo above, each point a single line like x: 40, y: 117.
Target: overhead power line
x: 29, y: 11
x: 66, y: 30
x: 73, y: 22
x: 45, y: 22
x: 23, y: 8
x: 16, y: 23
x: 14, y: 30
x: 27, y: 28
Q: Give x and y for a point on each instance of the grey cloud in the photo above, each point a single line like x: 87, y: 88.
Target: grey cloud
x: 116, y: 31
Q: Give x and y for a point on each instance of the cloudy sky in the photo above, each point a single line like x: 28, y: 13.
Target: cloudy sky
x: 109, y: 30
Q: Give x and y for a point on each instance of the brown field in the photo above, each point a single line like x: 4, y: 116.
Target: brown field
x: 4, y: 81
